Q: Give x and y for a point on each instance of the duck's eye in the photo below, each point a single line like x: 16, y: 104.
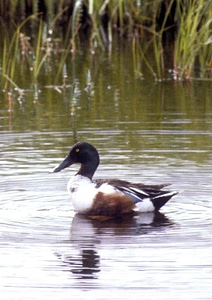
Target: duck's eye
x: 77, y: 150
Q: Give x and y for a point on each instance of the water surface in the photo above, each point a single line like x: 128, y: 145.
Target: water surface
x: 145, y: 131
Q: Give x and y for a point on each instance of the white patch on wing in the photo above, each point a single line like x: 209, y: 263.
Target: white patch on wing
x: 82, y: 192
x: 139, y: 191
x: 166, y: 195
x: 107, y: 188
x: 145, y: 205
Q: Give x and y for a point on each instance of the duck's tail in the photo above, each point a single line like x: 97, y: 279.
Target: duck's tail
x: 160, y: 200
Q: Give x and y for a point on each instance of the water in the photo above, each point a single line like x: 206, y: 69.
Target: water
x: 146, y: 132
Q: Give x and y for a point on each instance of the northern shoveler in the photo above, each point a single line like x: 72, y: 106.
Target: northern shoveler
x: 109, y: 197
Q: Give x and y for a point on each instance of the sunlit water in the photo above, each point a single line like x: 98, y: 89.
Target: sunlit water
x: 145, y: 132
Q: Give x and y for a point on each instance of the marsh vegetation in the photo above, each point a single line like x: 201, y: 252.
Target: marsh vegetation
x: 42, y: 35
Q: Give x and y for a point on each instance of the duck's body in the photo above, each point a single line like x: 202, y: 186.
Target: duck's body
x: 108, y: 197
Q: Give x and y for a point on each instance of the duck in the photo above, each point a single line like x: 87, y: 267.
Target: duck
x: 108, y: 197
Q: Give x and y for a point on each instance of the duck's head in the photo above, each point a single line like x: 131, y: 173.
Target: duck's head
x: 85, y: 154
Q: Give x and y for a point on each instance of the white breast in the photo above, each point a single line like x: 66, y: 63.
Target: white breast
x: 82, y: 192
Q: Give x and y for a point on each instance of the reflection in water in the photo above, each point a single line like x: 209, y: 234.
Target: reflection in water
x: 87, y: 229
x: 85, y: 265
x: 86, y: 234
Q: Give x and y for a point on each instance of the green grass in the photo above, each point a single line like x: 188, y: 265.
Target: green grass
x: 194, y: 38
x: 57, y: 31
